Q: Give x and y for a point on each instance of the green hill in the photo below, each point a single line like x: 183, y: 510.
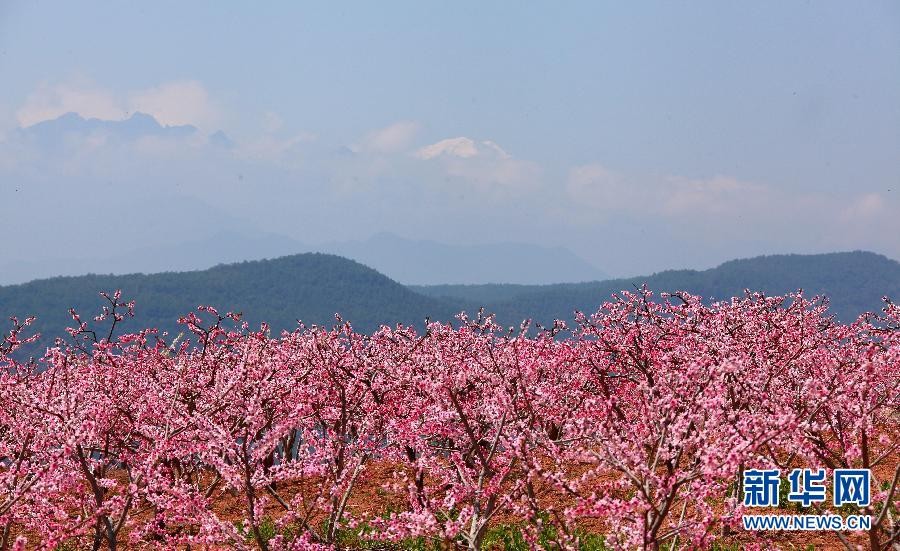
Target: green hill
x: 308, y: 287
x: 313, y: 287
x: 853, y: 281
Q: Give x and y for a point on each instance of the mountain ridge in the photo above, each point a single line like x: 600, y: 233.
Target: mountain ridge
x: 853, y: 281
x: 313, y: 287
x: 403, y: 260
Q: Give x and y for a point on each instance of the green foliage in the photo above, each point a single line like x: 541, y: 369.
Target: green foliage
x: 510, y: 537
x: 266, y: 528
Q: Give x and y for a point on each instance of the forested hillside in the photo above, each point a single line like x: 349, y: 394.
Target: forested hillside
x: 308, y: 287
x: 313, y: 287
x: 853, y: 281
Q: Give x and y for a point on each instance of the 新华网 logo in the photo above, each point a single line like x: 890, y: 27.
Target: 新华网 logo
x: 807, y: 487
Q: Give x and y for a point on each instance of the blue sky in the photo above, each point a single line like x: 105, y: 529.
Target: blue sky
x: 641, y: 137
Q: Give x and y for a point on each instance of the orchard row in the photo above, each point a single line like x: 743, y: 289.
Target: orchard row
x: 635, y: 423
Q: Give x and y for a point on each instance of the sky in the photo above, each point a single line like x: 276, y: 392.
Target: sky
x: 641, y: 137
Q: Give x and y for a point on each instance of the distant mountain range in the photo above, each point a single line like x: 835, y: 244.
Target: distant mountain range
x: 428, y: 263
x: 313, y: 287
x: 403, y: 260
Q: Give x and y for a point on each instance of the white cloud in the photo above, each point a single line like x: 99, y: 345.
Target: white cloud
x: 177, y: 103
x: 716, y: 195
x: 489, y: 172
x: 863, y: 209
x: 495, y: 149
x: 462, y: 148
x: 171, y: 103
x: 484, y: 163
x: 79, y: 96
x: 725, y: 211
x: 598, y: 187
x: 391, y: 139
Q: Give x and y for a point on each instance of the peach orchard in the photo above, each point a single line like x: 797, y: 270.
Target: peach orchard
x: 635, y: 421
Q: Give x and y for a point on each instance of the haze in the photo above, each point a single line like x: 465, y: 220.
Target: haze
x: 639, y: 138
